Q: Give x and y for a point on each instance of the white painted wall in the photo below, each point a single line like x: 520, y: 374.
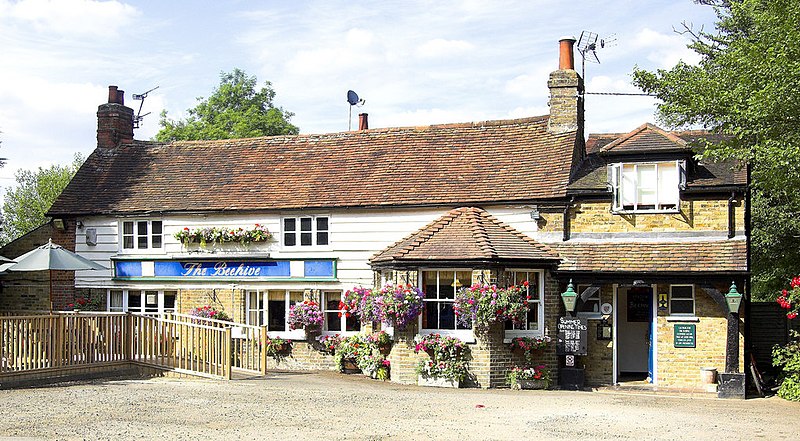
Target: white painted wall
x: 355, y: 236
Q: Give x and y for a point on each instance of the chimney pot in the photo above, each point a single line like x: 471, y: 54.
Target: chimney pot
x: 566, y: 58
x: 112, y: 94
x: 363, y: 123
x: 121, y: 97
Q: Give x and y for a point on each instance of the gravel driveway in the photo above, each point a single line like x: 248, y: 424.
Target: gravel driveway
x: 327, y: 405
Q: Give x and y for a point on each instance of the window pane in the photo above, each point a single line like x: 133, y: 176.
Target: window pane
x: 430, y: 320
x: 156, y: 241
x: 305, y: 224
x: 127, y: 242
x: 352, y: 323
x: 169, y: 300
x: 429, y: 284
x: 463, y: 279
x: 681, y: 292
x: 322, y: 224
x: 305, y: 239
x: 127, y: 228
x: 135, y: 301
x: 289, y: 239
x: 682, y: 307
x: 533, y: 317
x: 447, y: 319
x: 141, y: 242
x: 115, y: 301
x: 447, y: 280
x: 647, y: 185
x: 276, y: 311
x: 628, y: 186
x: 155, y: 227
x: 322, y: 238
x: 668, y: 185
x: 151, y: 301
x: 289, y: 224
x: 141, y: 228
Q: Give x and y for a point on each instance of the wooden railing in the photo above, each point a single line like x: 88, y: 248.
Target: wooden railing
x: 64, y: 340
x: 204, y: 347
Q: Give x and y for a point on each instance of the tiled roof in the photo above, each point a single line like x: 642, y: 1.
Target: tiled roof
x: 591, y: 174
x: 465, y: 233
x: 682, y: 256
x: 455, y: 164
x: 645, y: 138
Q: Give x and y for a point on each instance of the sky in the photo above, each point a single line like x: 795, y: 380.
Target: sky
x: 413, y: 62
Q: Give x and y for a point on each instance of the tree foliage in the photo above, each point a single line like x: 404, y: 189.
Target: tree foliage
x: 235, y: 110
x: 746, y: 87
x: 25, y: 205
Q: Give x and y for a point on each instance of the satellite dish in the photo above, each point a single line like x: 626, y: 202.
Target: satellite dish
x: 353, y: 99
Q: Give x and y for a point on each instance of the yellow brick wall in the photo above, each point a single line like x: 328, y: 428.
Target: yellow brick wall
x: 599, y: 363
x: 695, y: 215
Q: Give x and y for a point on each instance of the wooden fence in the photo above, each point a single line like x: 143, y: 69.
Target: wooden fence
x: 768, y: 327
x: 175, y: 342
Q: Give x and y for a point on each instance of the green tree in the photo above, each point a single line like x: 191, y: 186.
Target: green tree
x: 25, y: 205
x: 235, y: 110
x: 746, y: 86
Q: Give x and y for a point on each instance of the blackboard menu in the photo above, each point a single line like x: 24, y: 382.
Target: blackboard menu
x: 685, y: 336
x: 572, y: 336
x: 639, y: 305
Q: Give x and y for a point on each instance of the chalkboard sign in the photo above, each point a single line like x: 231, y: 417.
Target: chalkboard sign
x: 685, y: 336
x: 639, y: 305
x: 572, y: 336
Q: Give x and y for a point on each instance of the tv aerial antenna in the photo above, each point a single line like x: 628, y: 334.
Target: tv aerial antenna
x: 587, y: 46
x: 354, y: 100
x: 137, y: 120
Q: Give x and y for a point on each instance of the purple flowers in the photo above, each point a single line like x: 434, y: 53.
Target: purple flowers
x: 399, y: 305
x: 305, y: 315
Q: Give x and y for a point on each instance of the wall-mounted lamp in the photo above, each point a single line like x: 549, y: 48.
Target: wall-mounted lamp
x: 640, y: 284
x: 569, y: 297
x: 734, y: 299
x: 79, y: 224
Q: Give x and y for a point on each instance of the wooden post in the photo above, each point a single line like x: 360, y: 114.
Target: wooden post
x: 226, y: 362
x: 262, y: 344
x: 128, y: 337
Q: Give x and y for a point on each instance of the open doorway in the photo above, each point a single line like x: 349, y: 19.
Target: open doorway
x: 633, y: 334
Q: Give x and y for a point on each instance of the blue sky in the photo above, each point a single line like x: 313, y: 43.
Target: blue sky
x: 414, y: 62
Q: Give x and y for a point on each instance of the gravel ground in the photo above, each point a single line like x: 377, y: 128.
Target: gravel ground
x: 327, y: 405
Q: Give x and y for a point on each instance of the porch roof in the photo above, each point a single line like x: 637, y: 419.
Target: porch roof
x: 465, y: 234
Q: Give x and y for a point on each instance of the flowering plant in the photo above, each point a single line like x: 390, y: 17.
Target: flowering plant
x: 448, y: 357
x: 305, y: 315
x: 258, y: 233
x: 529, y: 344
x: 399, y: 304
x: 790, y: 300
x: 85, y: 304
x: 381, y: 339
x: 354, y: 303
x: 277, y: 346
x: 528, y: 373
x: 329, y: 343
x: 482, y: 305
x: 210, y: 312
x: 366, y: 354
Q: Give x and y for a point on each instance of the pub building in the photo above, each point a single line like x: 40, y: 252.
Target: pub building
x: 645, y: 238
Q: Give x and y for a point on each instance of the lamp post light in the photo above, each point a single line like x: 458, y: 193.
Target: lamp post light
x: 569, y: 297
x: 734, y: 299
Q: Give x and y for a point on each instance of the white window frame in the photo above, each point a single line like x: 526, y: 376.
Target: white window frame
x: 135, y: 236
x: 298, y: 232
x: 617, y: 187
x: 539, y: 332
x: 342, y: 320
x: 693, y: 299
x: 127, y: 293
x: 287, y: 333
x: 591, y: 315
x: 465, y: 335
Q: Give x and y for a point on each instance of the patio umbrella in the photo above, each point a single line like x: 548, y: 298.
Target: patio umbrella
x: 51, y: 257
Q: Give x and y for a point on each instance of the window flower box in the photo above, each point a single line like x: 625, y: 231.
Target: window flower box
x: 532, y: 384
x: 434, y: 381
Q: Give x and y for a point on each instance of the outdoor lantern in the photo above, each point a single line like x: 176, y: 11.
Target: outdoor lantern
x: 733, y: 298
x: 569, y: 297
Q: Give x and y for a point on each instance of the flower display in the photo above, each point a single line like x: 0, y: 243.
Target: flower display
x: 305, y: 315
x: 210, y: 312
x: 329, y: 343
x: 277, y: 347
x: 528, y: 373
x: 353, y: 303
x: 365, y: 351
x: 449, y: 357
x: 529, y: 344
x: 790, y: 299
x: 219, y: 235
x: 85, y: 304
x: 482, y: 305
x: 399, y: 305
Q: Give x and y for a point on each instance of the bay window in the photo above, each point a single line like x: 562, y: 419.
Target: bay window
x: 535, y: 292
x: 440, y: 288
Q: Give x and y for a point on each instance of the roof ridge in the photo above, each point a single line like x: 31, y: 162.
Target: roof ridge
x: 646, y: 126
x: 480, y: 233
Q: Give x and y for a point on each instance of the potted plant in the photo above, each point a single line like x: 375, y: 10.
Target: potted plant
x: 361, y: 353
x: 305, y: 315
x: 220, y: 235
x: 528, y: 346
x: 447, y: 365
x: 84, y: 304
x: 529, y: 377
x: 399, y: 305
x: 329, y: 343
x: 278, y: 347
x: 481, y: 306
x: 209, y: 312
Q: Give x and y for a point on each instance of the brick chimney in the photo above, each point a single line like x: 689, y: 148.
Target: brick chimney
x: 363, y: 123
x: 566, y: 92
x: 114, y: 120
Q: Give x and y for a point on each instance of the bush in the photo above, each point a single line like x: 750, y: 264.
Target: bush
x: 787, y: 358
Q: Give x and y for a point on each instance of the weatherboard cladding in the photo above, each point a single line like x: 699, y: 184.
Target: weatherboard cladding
x: 510, y: 160
x: 466, y: 233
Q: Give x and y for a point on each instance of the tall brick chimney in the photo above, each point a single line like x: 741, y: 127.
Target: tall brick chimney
x: 114, y: 120
x: 566, y: 92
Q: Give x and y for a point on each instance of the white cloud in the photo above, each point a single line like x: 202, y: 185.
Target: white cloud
x: 664, y: 50
x: 71, y: 17
x: 439, y: 48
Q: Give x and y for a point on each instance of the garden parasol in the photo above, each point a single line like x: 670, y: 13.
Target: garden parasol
x: 49, y: 257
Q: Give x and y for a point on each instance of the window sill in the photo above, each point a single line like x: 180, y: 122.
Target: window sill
x: 511, y: 334
x: 465, y: 335
x: 682, y: 318
x: 674, y: 211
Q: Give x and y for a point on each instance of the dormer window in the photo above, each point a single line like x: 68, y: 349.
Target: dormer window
x: 647, y: 186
